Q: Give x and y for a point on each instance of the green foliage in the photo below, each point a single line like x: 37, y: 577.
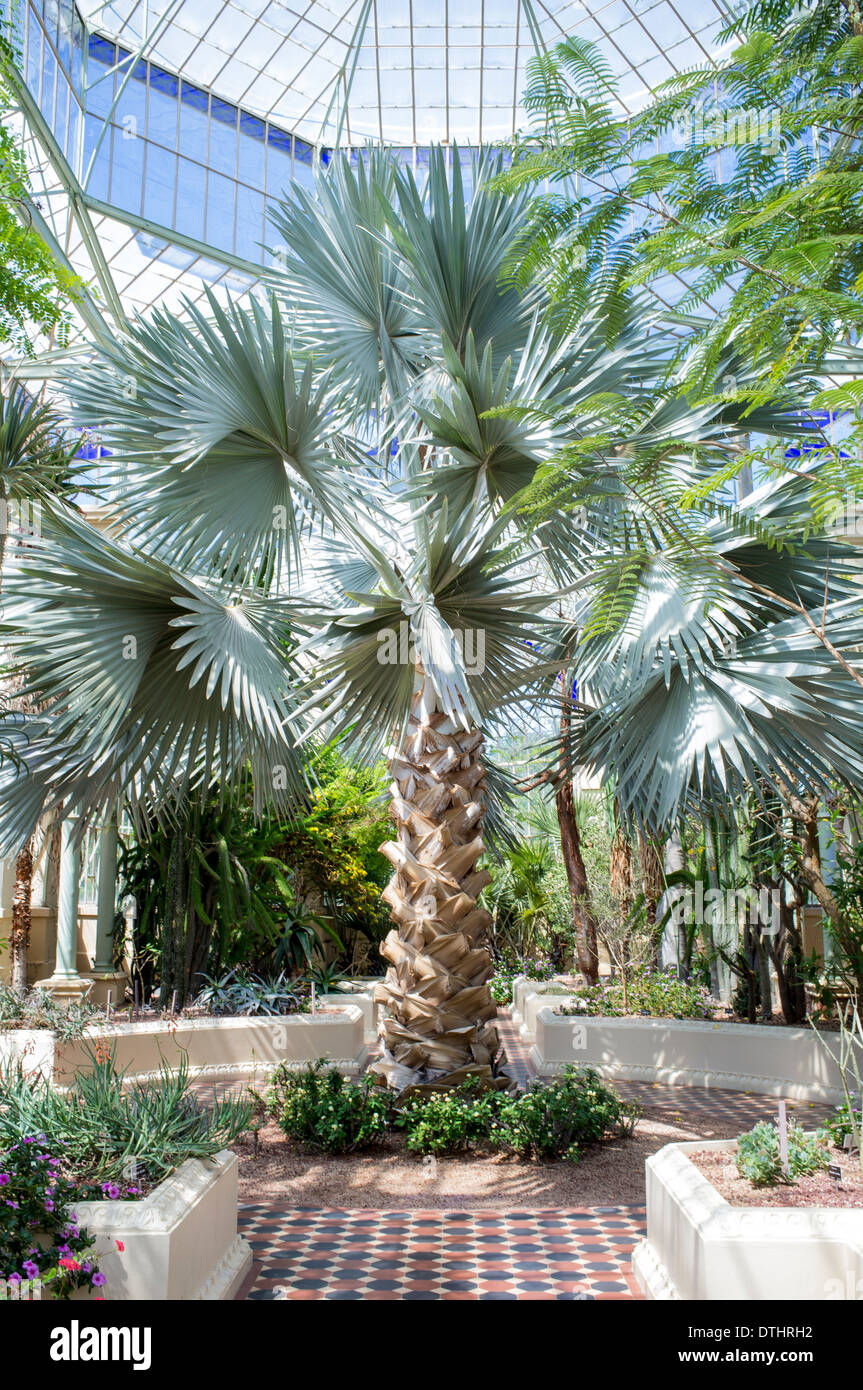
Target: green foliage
x: 331, y: 848
x: 559, y: 1119
x: 123, y: 1136
x: 39, y: 1235
x: 658, y: 993
x: 759, y: 1160
x: 846, y: 1123
x: 211, y: 891
x: 38, y: 1008
x: 636, y: 199
x: 35, y: 292
x: 322, y: 1110
x: 449, y: 1122
x: 240, y: 993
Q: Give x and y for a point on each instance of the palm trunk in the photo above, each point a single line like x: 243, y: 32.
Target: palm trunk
x: 586, y: 947
x: 19, y: 939
x: 440, y: 1022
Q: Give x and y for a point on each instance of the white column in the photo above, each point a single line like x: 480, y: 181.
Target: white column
x: 107, y: 895
x: 66, y: 960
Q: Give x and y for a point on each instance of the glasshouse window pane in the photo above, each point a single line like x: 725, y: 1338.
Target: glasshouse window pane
x: 64, y: 37
x: 72, y: 131
x: 52, y: 16
x: 304, y: 164
x: 102, y: 55
x: 77, y: 50
x: 159, y: 185
x: 162, y: 109
x: 253, y: 148
x: 278, y: 163
x: 220, y: 211
x: 61, y: 102
x: 193, y: 121
x: 223, y: 137
x: 250, y: 225
x: 131, y: 110
x: 97, y: 184
x: 191, y: 198
x: 128, y: 170
x: 34, y: 54
x: 49, y: 69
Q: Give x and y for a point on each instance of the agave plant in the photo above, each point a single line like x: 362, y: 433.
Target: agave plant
x: 318, y: 531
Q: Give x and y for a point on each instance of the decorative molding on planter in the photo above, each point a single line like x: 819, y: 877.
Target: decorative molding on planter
x: 180, y: 1242
x: 773, y: 1061
x: 700, y: 1247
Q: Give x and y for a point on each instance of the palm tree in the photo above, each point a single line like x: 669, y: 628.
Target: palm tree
x: 33, y: 467
x: 318, y: 531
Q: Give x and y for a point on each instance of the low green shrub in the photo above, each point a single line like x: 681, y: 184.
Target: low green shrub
x: 39, y: 1235
x: 760, y: 1162
x: 558, y: 1119
x: 115, y: 1139
x: 658, y: 993
x: 839, y: 1126
x: 449, y: 1122
x: 321, y: 1109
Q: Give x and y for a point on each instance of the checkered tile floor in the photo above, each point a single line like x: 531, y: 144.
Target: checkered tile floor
x: 425, y: 1256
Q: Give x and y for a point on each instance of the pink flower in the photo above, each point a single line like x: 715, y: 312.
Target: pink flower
x: 120, y: 1246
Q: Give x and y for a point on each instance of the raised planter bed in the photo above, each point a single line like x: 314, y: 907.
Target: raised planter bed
x: 524, y: 989
x: 363, y: 999
x: 699, y: 1246
x: 772, y: 1061
x: 217, y: 1048
x: 179, y: 1243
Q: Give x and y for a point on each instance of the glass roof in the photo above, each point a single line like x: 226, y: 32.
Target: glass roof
x: 403, y: 71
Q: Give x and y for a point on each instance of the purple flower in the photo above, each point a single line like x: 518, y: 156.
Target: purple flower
x: 4, y: 1179
x: 49, y: 1205
x: 111, y: 1190
x: 53, y: 1163
x: 31, y: 1269
x: 64, y: 1249
x: 14, y: 1279
x: 16, y: 1206
x: 98, y: 1279
x: 29, y: 1139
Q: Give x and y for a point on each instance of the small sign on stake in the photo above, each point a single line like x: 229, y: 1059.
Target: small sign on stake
x: 783, y: 1137
x: 834, y: 1172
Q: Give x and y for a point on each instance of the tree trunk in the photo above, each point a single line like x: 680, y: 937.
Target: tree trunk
x: 439, y: 1028
x: 19, y: 937
x: 586, y: 948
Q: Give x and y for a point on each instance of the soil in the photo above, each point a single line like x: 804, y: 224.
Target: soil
x: 391, y: 1177
x: 816, y: 1190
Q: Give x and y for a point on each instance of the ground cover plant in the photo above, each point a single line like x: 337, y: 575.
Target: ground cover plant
x: 759, y: 1157
x: 113, y: 1139
x: 657, y: 993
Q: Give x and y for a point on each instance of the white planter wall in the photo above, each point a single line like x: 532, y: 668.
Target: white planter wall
x: 179, y: 1243
x: 779, y: 1061
x: 214, y: 1047
x: 700, y: 1247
